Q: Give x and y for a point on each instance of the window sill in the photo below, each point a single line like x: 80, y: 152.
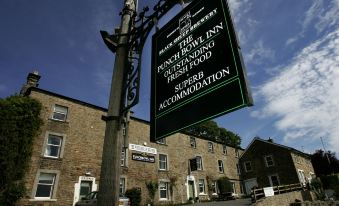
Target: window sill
x: 42, y: 200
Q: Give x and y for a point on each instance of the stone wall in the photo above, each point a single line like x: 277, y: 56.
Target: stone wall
x: 285, y: 199
x: 83, y: 134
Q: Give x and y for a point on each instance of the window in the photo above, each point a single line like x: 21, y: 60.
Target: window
x: 248, y: 166
x: 161, y: 141
x: 122, y: 187
x: 201, y: 186
x: 238, y: 169
x: 60, y: 113
x: 236, y: 153
x: 163, y: 190
x: 269, y: 161
x: 214, y: 188
x: 123, y: 157
x: 221, y: 166
x: 199, y: 163
x: 193, y: 143
x: 162, y: 162
x: 301, y: 176
x: 224, y: 149
x: 210, y: 146
x: 45, y: 186
x: 53, y: 146
x: 85, y: 188
x: 274, y: 180
x: 233, y: 187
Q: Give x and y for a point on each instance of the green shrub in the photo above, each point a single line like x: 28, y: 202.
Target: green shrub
x: 134, y: 194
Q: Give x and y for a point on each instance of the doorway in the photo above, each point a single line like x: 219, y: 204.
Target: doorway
x: 191, y: 193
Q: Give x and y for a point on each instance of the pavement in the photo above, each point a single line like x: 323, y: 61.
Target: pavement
x: 238, y: 202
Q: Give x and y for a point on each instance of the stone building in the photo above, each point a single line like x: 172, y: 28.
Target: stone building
x: 66, y: 159
x: 265, y: 163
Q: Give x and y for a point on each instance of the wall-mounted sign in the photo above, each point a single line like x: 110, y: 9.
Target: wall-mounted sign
x: 268, y: 191
x: 197, y: 69
x: 143, y: 158
x: 143, y: 149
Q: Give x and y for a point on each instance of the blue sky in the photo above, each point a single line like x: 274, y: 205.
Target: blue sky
x: 290, y: 49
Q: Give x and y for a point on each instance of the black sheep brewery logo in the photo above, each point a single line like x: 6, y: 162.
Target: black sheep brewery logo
x: 185, y: 22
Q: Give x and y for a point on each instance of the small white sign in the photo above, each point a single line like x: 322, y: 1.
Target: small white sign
x: 268, y: 191
x: 141, y: 148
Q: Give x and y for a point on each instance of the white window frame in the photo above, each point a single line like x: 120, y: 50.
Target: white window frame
x: 210, y: 147
x: 236, y: 152
x: 165, y: 188
x: 122, y: 186
x: 250, y: 164
x: 193, y: 142
x: 55, y: 111
x: 163, y: 161
x: 199, y: 163
x: 61, y: 146
x: 221, y: 166
x: 272, y: 160
x: 238, y: 169
x: 224, y: 149
x: 301, y: 176
x: 214, y: 185
x: 201, y: 185
x: 54, y: 185
x: 123, y: 158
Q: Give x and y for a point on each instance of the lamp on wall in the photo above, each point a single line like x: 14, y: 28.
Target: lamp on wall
x: 88, y: 174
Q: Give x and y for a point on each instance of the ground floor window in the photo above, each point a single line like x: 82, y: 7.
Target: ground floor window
x: 45, y: 185
x: 274, y: 180
x: 122, y: 188
x: 201, y: 186
x: 163, y: 190
x: 85, y: 188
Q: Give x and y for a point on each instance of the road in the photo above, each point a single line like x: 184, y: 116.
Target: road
x: 239, y: 202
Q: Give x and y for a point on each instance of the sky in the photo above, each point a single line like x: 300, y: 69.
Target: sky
x: 290, y: 50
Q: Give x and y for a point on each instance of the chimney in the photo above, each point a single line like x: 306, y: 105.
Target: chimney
x: 270, y: 140
x: 32, y: 81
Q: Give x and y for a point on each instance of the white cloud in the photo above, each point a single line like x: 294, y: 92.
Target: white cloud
x: 320, y: 16
x: 259, y: 53
x: 303, y: 95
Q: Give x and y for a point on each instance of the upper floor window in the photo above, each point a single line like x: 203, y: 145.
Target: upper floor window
x: 201, y: 186
x: 123, y: 157
x: 193, y: 143
x: 210, y: 147
x: 248, y: 166
x: 199, y: 162
x: 60, y: 113
x: 53, y: 146
x: 224, y: 149
x: 161, y: 141
x: 221, y: 166
x: 269, y: 161
x: 162, y: 162
x: 236, y: 153
x: 238, y: 169
x: 45, y: 186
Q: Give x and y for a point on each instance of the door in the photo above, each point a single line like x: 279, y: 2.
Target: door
x: 191, y: 189
x: 85, y: 188
x: 249, y: 184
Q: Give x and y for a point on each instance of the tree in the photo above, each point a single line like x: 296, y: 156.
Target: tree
x: 324, y: 163
x: 19, y: 124
x: 211, y: 131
